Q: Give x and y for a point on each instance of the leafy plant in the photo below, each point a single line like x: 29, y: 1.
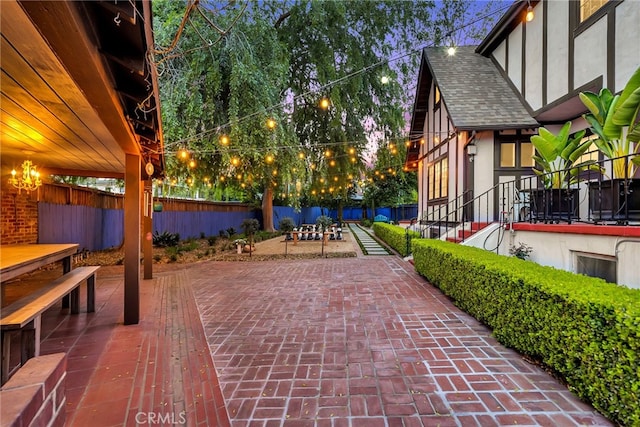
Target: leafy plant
x: 556, y: 155
x: 212, y: 240
x: 230, y: 231
x: 616, y: 122
x: 395, y: 236
x: 250, y: 226
x: 521, y: 251
x: 286, y: 225
x: 165, y: 239
x: 240, y: 242
x: 324, y: 221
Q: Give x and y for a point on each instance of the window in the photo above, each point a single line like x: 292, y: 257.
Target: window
x: 439, y: 179
x: 515, y: 153
x: 589, y: 7
x: 592, y: 154
x: 596, y: 266
x: 437, y: 98
x: 507, y: 155
x: 526, y: 155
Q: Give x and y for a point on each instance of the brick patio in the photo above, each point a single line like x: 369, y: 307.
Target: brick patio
x: 319, y: 342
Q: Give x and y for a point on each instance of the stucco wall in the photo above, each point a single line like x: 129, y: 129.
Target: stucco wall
x: 515, y: 58
x: 560, y: 250
x: 627, y: 43
x: 590, y: 54
x: 558, y: 55
x: 533, y: 59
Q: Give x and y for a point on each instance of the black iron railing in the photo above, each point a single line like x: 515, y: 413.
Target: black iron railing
x: 585, y: 195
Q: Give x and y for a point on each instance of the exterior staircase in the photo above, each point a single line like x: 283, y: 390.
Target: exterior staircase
x: 466, y: 230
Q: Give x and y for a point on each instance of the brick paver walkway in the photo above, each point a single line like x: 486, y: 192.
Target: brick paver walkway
x: 363, y: 342
x: 158, y: 372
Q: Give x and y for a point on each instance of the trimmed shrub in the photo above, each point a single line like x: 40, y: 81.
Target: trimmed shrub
x: 394, y: 236
x: 366, y: 222
x: 586, y: 330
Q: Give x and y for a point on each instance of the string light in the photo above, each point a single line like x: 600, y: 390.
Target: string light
x: 207, y: 44
x: 271, y: 124
x: 324, y: 103
x: 224, y: 140
x: 530, y: 15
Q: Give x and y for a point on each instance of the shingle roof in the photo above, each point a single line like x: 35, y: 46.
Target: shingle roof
x: 474, y: 91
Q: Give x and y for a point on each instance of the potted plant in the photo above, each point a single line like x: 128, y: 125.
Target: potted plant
x: 323, y: 222
x: 615, y: 121
x: 250, y: 226
x: 286, y: 226
x: 556, y: 157
x: 240, y: 243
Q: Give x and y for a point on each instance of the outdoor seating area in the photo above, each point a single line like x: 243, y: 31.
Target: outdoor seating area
x: 21, y: 320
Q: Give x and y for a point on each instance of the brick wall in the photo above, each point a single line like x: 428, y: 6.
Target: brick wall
x: 35, y: 395
x: 18, y: 216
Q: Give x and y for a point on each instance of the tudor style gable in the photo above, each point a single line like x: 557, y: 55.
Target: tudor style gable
x: 569, y: 47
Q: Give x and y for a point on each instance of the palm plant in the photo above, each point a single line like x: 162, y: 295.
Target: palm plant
x: 616, y: 122
x: 557, y: 154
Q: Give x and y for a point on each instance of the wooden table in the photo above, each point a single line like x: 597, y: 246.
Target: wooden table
x: 20, y: 259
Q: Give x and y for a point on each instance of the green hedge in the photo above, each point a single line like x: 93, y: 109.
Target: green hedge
x: 394, y: 236
x: 584, y: 329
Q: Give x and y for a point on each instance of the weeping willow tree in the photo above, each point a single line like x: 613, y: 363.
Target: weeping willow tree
x: 284, y: 99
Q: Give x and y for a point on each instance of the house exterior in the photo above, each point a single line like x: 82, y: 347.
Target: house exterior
x: 475, y: 111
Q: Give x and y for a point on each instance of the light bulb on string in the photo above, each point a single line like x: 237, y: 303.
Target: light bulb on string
x: 384, y: 80
x: 324, y: 103
x: 271, y: 123
x: 268, y: 159
x: 224, y: 140
x: 530, y: 15
x: 451, y: 50
x: 183, y: 154
x: 192, y: 163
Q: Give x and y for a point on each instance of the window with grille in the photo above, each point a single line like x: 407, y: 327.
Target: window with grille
x: 439, y: 178
x: 589, y: 7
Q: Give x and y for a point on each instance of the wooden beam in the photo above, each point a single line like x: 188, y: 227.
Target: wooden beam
x: 65, y: 28
x: 132, y: 195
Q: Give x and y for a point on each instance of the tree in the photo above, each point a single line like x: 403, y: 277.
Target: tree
x: 228, y: 70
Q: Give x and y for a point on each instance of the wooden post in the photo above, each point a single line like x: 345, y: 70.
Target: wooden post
x: 132, y: 195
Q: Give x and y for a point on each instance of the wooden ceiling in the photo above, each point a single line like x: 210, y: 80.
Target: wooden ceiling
x: 77, y: 92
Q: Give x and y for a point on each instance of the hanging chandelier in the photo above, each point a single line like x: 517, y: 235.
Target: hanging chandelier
x: 29, y: 180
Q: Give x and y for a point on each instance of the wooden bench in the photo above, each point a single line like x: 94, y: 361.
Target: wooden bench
x: 24, y: 315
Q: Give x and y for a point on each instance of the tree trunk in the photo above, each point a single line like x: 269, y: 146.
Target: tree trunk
x: 340, y: 213
x: 267, y: 209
